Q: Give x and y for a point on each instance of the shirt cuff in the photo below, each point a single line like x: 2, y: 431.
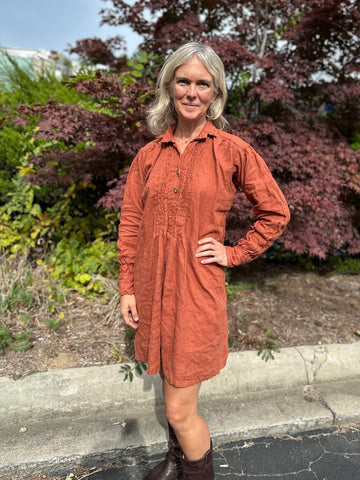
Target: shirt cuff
x: 236, y: 256
x: 126, y: 283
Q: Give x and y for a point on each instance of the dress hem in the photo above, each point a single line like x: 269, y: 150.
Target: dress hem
x: 186, y: 382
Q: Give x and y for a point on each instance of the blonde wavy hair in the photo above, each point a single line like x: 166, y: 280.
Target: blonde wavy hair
x: 162, y: 113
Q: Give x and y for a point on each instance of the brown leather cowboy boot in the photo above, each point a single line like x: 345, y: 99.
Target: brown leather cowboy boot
x: 169, y: 469
x: 202, y: 469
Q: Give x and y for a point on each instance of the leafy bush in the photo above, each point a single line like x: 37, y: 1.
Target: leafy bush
x: 355, y: 142
x: 83, y: 267
x: 62, y: 216
x: 22, y: 86
x: 19, y: 218
x: 345, y: 265
x: 13, y: 145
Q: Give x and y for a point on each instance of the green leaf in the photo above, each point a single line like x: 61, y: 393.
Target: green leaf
x: 83, y: 278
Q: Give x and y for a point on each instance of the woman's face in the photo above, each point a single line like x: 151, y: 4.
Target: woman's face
x: 193, y: 91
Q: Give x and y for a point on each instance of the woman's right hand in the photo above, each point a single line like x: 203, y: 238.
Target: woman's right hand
x: 128, y: 310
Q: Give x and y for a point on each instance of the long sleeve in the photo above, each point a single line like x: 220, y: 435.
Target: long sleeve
x: 131, y: 215
x: 270, y: 208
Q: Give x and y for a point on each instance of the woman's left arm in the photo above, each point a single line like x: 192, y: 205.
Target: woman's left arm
x: 271, y: 211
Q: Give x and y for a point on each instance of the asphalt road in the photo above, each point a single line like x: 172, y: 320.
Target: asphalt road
x: 319, y: 455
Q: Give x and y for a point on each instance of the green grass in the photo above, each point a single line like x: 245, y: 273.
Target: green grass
x: 234, y: 289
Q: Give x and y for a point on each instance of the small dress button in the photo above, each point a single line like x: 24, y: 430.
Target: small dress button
x: 177, y: 172
x: 175, y: 190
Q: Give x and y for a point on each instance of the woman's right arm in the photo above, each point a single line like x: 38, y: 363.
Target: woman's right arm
x: 128, y: 310
x: 131, y: 215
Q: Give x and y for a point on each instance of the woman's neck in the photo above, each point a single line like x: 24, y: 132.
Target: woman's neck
x: 187, y: 131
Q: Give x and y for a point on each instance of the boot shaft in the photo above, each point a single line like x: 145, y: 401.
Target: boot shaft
x: 170, y: 469
x: 202, y: 469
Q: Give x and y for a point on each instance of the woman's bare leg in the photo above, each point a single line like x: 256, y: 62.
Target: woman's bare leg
x: 182, y: 413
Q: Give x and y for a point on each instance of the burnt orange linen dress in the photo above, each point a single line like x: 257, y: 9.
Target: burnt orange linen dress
x: 171, y: 201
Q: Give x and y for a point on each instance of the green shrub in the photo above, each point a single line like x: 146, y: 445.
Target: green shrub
x: 21, y: 86
x: 83, y: 266
x: 18, y: 218
x: 355, y: 141
x: 345, y: 264
x: 13, y: 144
x: 26, y: 225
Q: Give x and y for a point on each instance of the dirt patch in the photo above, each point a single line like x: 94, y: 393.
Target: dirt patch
x: 297, y: 307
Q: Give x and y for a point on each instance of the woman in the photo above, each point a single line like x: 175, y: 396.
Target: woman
x: 171, y: 252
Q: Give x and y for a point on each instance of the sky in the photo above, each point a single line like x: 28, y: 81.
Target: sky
x: 53, y: 24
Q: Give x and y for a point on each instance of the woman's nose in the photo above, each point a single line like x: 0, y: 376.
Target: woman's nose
x: 191, y: 91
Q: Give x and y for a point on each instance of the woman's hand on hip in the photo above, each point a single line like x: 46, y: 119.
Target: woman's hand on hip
x: 128, y: 310
x: 215, y: 251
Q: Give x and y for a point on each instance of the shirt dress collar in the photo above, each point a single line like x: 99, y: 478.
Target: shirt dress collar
x: 208, y: 131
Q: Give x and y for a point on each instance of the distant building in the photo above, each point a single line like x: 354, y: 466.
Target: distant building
x: 38, y: 61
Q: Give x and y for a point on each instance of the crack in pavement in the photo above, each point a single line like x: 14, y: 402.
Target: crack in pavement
x: 227, y: 459
x: 315, y: 445
x: 319, y: 359
x: 310, y: 393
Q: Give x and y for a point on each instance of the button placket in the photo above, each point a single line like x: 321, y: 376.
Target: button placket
x: 177, y: 172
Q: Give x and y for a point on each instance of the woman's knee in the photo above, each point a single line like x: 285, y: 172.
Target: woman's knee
x: 180, y: 415
x: 180, y: 404
x: 177, y: 416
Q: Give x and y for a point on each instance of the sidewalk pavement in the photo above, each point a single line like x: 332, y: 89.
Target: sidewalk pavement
x: 89, y: 416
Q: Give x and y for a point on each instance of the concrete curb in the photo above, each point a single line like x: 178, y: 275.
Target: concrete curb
x: 54, y: 420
